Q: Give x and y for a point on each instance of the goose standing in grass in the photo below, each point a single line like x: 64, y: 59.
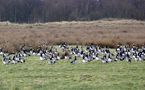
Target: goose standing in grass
x: 1, y: 51
x: 104, y: 59
x: 85, y: 58
x: 33, y: 52
x: 15, y: 59
x: 43, y: 56
x: 97, y: 57
x: 52, y: 60
x: 74, y: 61
x: 22, y: 57
x: 6, y: 59
x: 127, y: 57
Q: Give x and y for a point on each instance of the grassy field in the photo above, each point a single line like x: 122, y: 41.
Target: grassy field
x: 38, y: 75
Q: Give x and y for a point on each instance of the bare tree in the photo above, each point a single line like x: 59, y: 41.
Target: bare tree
x: 58, y: 10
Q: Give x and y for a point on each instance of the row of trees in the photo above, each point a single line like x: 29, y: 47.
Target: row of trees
x: 30, y: 11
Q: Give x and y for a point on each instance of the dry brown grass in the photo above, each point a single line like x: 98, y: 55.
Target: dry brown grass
x: 102, y: 32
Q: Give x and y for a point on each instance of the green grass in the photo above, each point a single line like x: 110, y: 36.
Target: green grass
x: 38, y: 75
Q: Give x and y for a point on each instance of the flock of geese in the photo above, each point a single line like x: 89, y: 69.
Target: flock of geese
x: 75, y: 53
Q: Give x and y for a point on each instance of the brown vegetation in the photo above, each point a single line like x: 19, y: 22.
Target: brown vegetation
x: 102, y: 32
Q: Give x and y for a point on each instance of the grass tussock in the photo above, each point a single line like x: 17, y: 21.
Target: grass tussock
x: 105, y: 32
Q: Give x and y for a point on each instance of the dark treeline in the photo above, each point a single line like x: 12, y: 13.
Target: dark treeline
x: 30, y: 11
